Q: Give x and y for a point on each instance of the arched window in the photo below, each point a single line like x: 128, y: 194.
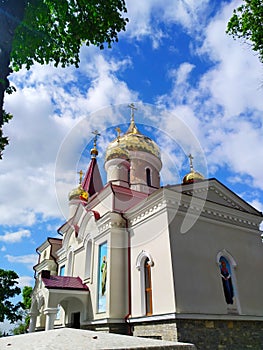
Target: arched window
x: 148, y: 287
x: 227, y: 265
x: 148, y: 177
x: 225, y: 271
x: 88, y: 259
x: 144, y: 264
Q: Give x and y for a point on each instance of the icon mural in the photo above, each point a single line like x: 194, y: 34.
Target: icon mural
x: 102, y: 281
x: 226, y: 280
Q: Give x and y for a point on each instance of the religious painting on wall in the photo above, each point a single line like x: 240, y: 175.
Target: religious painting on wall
x: 225, y: 271
x: 102, y: 277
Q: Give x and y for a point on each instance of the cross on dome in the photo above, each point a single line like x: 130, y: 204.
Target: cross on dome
x: 96, y: 133
x: 94, y: 152
x: 133, y: 108
x: 118, y: 133
x: 191, y: 161
x: 80, y: 176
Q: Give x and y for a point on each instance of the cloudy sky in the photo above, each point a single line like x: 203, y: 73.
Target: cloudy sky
x: 196, y: 89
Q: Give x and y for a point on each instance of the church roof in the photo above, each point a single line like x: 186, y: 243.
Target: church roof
x: 64, y: 282
x: 216, y: 192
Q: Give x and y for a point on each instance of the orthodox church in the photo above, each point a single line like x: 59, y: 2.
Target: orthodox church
x: 179, y: 262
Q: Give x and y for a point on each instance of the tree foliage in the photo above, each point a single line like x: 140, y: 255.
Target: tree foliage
x: 23, y: 326
x: 9, y: 289
x: 247, y: 23
x: 54, y: 30
x: 26, y: 294
x: 4, y: 139
x: 46, y: 31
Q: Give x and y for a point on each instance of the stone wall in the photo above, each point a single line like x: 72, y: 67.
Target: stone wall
x: 119, y: 328
x: 155, y: 330
x: 207, y: 334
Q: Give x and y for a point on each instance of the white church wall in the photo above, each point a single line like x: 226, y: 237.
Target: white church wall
x: 79, y: 263
x: 151, y: 235
x: 103, y: 203
x: 198, y: 284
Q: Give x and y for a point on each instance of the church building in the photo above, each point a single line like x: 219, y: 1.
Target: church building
x: 178, y: 262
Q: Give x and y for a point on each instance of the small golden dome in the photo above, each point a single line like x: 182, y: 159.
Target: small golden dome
x: 79, y: 192
x: 94, y: 152
x: 193, y: 176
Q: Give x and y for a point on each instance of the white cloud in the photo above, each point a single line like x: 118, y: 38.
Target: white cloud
x: 182, y: 73
x: 30, y: 259
x: 25, y: 281
x: 46, y: 107
x: 235, y: 81
x: 145, y: 17
x: 3, y: 249
x: 14, y: 237
x: 224, y: 110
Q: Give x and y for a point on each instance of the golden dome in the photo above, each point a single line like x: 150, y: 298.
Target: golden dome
x: 132, y: 140
x: 78, y: 193
x: 193, y: 176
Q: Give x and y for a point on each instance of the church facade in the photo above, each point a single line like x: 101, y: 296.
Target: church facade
x: 178, y: 262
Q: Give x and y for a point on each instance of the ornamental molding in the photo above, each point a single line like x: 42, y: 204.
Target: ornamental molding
x: 227, y: 199
x: 46, y: 264
x: 87, y: 227
x: 143, y: 255
x: 111, y: 221
x: 149, y: 211
x: 213, y: 212
x: 183, y: 203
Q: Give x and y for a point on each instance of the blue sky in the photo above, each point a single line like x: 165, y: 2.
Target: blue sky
x: 196, y: 89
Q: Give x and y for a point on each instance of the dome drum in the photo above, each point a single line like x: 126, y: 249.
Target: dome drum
x: 141, y: 157
x: 118, y: 171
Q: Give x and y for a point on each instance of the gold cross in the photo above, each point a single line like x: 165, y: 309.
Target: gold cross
x: 133, y: 108
x: 80, y: 176
x: 191, y: 161
x: 118, y: 133
x: 96, y: 133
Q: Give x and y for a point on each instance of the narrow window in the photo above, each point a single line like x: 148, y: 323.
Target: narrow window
x: 88, y: 260
x: 225, y: 271
x: 129, y: 176
x: 148, y: 177
x: 62, y: 271
x: 148, y: 287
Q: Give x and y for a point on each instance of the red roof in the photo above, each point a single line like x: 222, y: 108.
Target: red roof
x: 64, y: 282
x: 92, y: 182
